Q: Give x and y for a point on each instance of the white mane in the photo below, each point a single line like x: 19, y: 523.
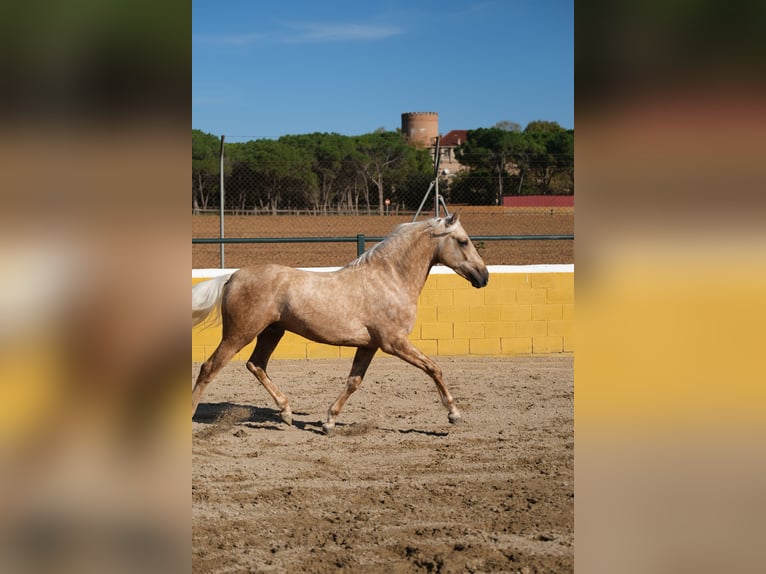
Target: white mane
x: 402, y: 235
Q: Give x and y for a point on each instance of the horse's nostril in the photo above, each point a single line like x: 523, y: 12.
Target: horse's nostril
x: 479, y: 277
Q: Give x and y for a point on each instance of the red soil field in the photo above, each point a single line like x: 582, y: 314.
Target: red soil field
x: 477, y: 221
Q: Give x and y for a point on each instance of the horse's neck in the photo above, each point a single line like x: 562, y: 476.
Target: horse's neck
x: 408, y: 259
x: 413, y: 265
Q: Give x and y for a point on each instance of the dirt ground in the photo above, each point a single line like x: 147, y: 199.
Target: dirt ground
x: 476, y: 223
x: 397, y: 489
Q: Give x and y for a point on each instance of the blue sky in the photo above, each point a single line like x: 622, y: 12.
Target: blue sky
x: 264, y: 68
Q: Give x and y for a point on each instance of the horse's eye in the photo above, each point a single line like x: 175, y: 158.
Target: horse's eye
x: 462, y: 242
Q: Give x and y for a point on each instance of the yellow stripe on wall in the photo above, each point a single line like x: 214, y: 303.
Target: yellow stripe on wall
x: 516, y: 314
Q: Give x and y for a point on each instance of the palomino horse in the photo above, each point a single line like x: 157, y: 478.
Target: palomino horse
x: 369, y: 304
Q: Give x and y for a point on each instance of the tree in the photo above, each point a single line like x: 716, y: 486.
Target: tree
x: 473, y: 187
x: 538, y: 160
x: 550, y: 157
x: 385, y: 156
x: 269, y: 175
x: 493, y: 149
x: 205, y: 167
x: 330, y: 155
x: 508, y: 126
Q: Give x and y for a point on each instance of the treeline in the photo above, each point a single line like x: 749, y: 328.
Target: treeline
x: 327, y: 173
x: 317, y: 173
x: 505, y: 160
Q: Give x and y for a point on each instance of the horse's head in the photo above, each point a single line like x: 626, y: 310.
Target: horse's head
x: 456, y: 251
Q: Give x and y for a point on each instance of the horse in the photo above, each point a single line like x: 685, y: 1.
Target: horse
x: 370, y: 304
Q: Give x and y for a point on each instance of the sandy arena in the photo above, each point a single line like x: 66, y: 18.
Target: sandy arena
x: 397, y: 489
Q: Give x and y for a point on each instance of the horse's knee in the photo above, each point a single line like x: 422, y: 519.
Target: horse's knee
x: 354, y: 383
x: 257, y: 371
x: 204, y: 370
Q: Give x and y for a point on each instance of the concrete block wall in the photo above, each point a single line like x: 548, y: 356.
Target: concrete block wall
x: 524, y: 310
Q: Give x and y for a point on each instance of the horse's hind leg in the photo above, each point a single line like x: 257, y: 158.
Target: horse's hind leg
x: 266, y: 343
x: 362, y: 360
x: 411, y: 354
x: 222, y: 355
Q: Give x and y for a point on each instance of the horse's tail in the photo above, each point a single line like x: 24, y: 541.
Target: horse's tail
x: 206, y: 297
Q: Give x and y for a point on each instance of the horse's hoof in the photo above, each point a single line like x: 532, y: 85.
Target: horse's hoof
x: 329, y: 430
x: 455, y: 420
x: 287, y: 417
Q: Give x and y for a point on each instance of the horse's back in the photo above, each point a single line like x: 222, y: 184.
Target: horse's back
x: 263, y: 271
x: 280, y: 285
x: 267, y: 273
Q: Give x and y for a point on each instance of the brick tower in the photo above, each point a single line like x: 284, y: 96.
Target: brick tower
x: 420, y: 128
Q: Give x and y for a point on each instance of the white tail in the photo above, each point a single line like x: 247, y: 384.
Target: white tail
x: 205, y: 298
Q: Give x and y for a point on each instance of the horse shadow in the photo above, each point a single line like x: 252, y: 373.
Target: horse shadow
x: 229, y: 414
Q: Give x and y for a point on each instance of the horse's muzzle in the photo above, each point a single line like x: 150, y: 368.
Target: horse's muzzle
x: 479, y: 277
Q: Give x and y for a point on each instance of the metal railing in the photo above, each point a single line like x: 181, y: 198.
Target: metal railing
x: 361, y: 239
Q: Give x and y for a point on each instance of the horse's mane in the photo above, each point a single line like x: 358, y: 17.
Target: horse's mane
x: 402, y: 236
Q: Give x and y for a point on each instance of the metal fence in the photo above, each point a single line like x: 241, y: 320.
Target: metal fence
x: 328, y: 216
x: 502, y: 235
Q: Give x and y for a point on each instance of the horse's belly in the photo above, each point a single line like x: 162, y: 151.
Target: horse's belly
x: 327, y: 325
x: 331, y: 334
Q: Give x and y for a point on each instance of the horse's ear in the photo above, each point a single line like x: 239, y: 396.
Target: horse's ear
x: 453, y: 219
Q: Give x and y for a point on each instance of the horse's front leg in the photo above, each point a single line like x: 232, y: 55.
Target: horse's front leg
x: 408, y: 352
x: 362, y: 360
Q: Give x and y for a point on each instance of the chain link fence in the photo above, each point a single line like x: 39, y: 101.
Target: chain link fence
x: 330, y: 204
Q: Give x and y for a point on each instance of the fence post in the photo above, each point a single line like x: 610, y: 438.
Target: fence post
x: 359, y: 244
x: 223, y: 265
